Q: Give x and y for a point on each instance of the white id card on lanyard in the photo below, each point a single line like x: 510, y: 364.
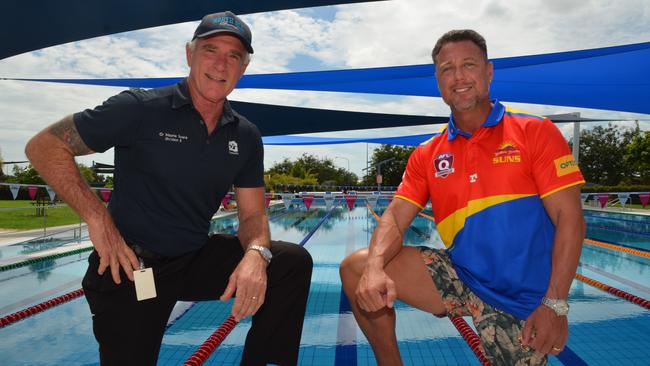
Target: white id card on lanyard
x: 145, y: 287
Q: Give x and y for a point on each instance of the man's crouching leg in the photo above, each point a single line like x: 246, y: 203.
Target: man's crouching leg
x: 275, y: 333
x: 414, y: 286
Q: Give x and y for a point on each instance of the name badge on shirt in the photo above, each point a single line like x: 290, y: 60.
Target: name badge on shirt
x: 145, y: 287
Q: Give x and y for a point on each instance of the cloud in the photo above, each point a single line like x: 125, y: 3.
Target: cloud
x: 348, y: 36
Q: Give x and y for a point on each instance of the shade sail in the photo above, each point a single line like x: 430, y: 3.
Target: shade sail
x: 411, y: 140
x: 611, y: 78
x: 32, y: 25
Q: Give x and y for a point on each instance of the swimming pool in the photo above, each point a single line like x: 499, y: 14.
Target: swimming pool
x: 604, y: 329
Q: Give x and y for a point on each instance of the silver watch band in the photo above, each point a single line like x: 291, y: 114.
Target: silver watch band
x: 264, y: 252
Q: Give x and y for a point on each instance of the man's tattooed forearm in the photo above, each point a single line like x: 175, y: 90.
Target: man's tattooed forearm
x: 66, y: 131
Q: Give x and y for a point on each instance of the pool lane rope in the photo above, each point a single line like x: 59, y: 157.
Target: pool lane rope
x: 471, y: 338
x: 210, y: 345
x: 619, y: 248
x: 614, y: 291
x: 468, y: 334
x: 44, y: 258
x: 12, y: 318
x: 207, y: 348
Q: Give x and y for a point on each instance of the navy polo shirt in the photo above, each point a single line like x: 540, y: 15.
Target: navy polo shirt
x: 170, y: 175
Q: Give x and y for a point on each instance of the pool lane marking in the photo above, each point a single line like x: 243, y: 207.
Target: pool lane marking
x: 207, y: 348
x: 614, y: 277
x: 39, y: 296
x: 614, y: 291
x: 346, y: 332
x: 619, y: 248
x: 465, y: 331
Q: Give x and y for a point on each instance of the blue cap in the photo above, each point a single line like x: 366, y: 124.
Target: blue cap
x: 225, y: 22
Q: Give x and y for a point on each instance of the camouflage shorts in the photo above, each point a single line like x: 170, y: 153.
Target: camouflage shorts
x: 499, y: 331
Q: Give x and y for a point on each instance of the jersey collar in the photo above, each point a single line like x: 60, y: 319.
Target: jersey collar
x: 181, y: 97
x: 493, y: 119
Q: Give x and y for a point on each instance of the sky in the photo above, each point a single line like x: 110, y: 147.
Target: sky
x: 391, y: 33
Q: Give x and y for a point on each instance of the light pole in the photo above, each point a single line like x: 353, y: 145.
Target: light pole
x: 379, y: 171
x: 343, y: 157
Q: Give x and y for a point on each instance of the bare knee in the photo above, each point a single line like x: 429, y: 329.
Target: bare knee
x: 352, y: 266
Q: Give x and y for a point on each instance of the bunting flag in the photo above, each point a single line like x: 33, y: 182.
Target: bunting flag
x: 32, y: 192
x: 308, y: 199
x: 106, y: 194
x: 225, y: 200
x: 584, y: 197
x: 602, y: 198
x: 286, y: 199
x: 623, y: 198
x: 267, y: 199
x: 643, y: 197
x: 350, y: 200
x: 50, y: 192
x: 372, y: 200
x: 329, y: 199
x: 14, y: 188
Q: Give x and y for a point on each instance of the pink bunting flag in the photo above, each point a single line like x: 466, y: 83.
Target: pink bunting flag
x: 106, y: 194
x: 350, y: 200
x: 225, y: 200
x: 308, y: 199
x: 602, y: 198
x: 644, y: 199
x: 267, y: 199
x: 32, y: 192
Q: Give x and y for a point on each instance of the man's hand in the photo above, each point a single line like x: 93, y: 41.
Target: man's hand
x: 249, y: 280
x: 113, y: 251
x: 375, y: 290
x: 545, y: 331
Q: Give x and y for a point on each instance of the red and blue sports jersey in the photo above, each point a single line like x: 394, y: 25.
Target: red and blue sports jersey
x: 486, y: 193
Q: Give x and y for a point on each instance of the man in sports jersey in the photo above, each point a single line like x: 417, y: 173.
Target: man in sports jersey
x: 505, y: 194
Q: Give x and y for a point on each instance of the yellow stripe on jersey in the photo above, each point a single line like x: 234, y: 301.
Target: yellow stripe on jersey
x: 519, y: 111
x: 452, y: 224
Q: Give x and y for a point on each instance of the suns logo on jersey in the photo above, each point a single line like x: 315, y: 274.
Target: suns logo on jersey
x: 507, y: 153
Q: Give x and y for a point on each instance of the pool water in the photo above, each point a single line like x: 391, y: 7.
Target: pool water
x: 604, y: 329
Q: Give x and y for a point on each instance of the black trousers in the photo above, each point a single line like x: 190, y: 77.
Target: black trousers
x: 130, y: 332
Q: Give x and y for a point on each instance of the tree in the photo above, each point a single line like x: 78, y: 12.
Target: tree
x: 602, y: 154
x: 391, y: 172
x: 2, y: 172
x: 29, y: 175
x: 637, y: 158
x: 309, y: 166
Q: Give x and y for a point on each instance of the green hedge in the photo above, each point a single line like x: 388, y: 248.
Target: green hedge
x: 620, y: 188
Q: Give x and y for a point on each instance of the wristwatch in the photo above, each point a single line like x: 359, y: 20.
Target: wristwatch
x: 264, y: 252
x: 559, y: 306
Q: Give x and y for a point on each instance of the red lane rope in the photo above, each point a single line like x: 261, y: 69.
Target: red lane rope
x: 205, y: 350
x: 12, y: 318
x: 468, y: 334
x: 471, y: 338
x: 614, y: 291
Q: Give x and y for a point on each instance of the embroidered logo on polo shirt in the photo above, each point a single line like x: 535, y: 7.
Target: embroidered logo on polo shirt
x: 444, y: 164
x: 507, y: 153
x: 233, y: 149
x: 565, y: 165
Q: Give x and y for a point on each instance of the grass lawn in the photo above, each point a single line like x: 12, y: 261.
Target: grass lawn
x: 27, y: 218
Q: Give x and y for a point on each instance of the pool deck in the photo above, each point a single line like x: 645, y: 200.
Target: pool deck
x: 10, y: 237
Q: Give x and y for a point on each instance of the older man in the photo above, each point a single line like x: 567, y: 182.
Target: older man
x: 178, y: 150
x: 505, y: 193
